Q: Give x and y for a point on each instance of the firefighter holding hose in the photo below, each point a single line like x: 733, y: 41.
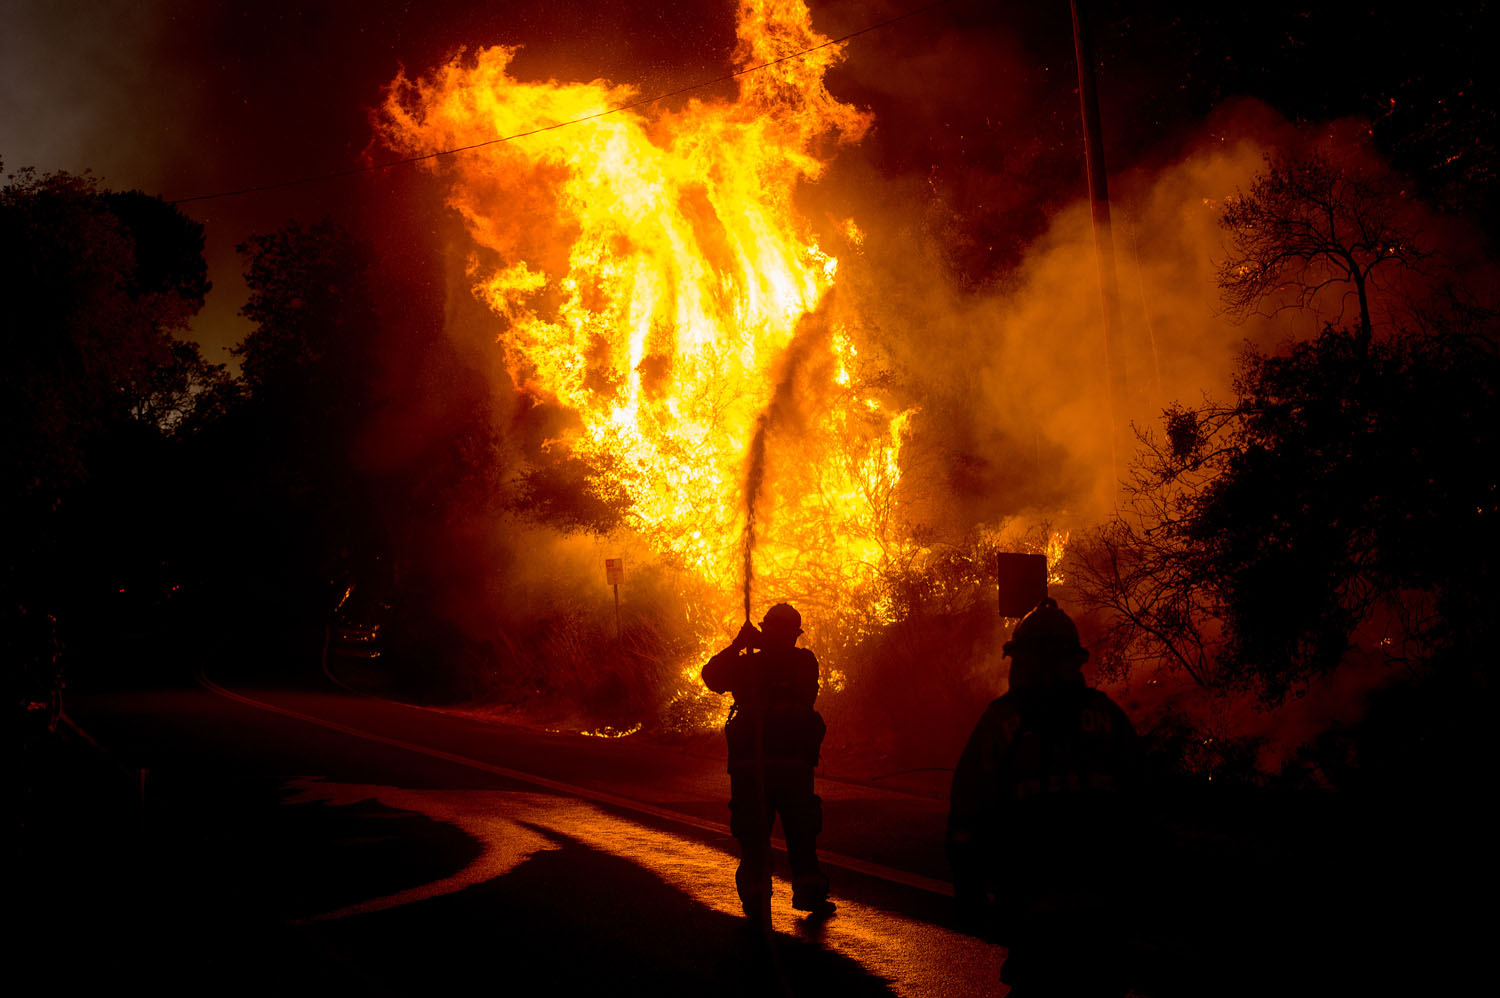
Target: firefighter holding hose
x: 774, y: 737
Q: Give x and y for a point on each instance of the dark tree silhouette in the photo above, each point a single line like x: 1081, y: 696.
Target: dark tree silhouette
x: 304, y: 508
x: 1335, y: 506
x: 98, y: 285
x: 312, y: 352
x: 1308, y: 227
x: 99, y: 397
x: 1331, y: 509
x: 368, y: 455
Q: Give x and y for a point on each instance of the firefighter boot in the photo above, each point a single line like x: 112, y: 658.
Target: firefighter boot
x: 813, y: 897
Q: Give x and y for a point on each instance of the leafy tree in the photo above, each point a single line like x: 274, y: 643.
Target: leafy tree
x: 98, y: 394
x: 310, y: 361
x: 311, y: 378
x: 98, y: 287
x: 1334, y: 506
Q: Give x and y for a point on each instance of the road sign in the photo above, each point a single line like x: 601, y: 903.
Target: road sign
x: 1023, y: 583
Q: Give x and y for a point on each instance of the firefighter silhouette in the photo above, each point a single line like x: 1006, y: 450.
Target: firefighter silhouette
x: 1039, y: 818
x: 774, y: 736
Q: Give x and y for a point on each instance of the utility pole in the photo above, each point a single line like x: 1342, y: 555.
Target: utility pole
x: 1104, y: 245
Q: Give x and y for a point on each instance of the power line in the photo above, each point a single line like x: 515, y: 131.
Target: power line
x: 372, y: 167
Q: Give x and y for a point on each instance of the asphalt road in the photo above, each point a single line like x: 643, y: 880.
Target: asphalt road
x: 224, y: 839
x: 220, y: 838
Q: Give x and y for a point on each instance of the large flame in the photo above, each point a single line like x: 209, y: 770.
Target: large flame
x: 652, y: 273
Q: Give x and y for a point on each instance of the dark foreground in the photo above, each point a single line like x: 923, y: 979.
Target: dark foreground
x: 360, y: 846
x: 303, y: 841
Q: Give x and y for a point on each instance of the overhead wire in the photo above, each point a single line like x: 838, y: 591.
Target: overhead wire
x: 630, y: 105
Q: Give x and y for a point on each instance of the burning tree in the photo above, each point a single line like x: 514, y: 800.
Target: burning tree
x: 648, y: 272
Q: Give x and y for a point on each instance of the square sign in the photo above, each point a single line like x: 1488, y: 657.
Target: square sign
x: 1023, y: 583
x: 614, y: 571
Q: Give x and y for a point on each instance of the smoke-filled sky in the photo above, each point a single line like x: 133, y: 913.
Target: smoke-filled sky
x: 975, y: 100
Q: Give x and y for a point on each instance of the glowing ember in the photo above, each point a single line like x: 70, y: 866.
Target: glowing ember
x: 603, y: 732
x: 653, y: 275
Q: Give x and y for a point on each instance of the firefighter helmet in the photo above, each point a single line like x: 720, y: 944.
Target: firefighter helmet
x: 782, y: 616
x: 1047, y: 632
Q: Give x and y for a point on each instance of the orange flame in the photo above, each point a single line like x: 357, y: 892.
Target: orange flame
x: 650, y: 271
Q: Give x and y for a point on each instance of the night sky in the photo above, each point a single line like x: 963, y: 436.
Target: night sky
x: 183, y: 99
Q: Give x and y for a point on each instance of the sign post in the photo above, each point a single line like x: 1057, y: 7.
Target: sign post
x: 614, y: 574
